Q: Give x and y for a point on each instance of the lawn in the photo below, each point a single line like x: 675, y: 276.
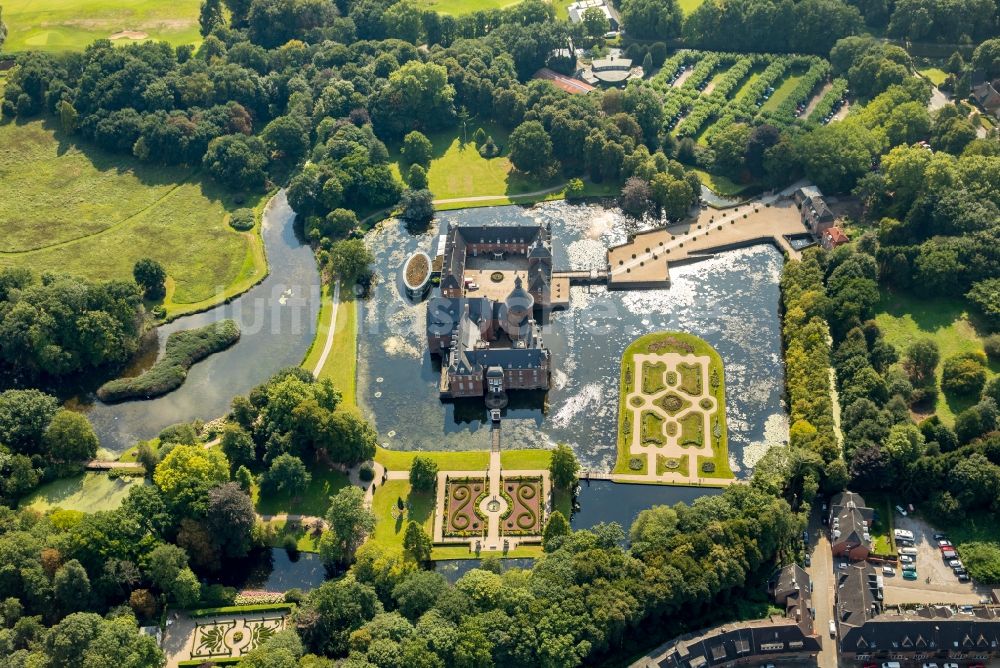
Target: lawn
x: 721, y: 185
x: 688, y: 6
x: 934, y: 75
x: 94, y: 213
x: 881, y: 529
x: 457, y: 170
x: 70, y: 25
x: 341, y: 363
x: 464, y: 460
x: 459, y: 7
x: 782, y: 92
x: 86, y: 492
x: 390, y: 524
x: 904, y: 318
x: 314, y: 499
x: 305, y: 540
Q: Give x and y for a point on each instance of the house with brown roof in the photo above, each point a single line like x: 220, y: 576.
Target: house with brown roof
x: 988, y: 98
x: 816, y: 215
x: 834, y: 237
x: 850, y: 522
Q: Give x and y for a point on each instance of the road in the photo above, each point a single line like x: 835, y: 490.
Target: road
x: 823, y: 581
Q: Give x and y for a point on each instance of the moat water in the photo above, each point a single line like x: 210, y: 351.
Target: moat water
x: 731, y: 301
x: 278, y: 322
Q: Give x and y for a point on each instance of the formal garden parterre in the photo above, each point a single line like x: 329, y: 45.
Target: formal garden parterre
x: 672, y: 425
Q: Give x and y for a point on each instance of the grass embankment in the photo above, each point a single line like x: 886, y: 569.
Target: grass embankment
x: 464, y: 460
x: 904, y: 318
x: 87, y: 492
x: 184, y: 349
x: 882, y: 525
x: 73, y: 208
x: 342, y: 362
x: 681, y: 343
x: 721, y: 185
x: 64, y: 25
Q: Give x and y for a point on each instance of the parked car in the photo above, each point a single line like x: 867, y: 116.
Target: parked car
x: 940, y: 536
x: 808, y: 561
x: 842, y: 566
x: 909, y: 567
x: 911, y: 551
x: 805, y: 537
x: 905, y: 559
x: 955, y: 563
x: 950, y: 665
x: 888, y: 570
x: 930, y: 665
x: 964, y: 577
x: 901, y: 511
x: 833, y: 629
x: 959, y: 571
x: 909, y: 575
x: 948, y: 555
x: 944, y: 542
x: 890, y: 664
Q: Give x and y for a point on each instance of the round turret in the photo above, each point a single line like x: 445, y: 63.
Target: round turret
x: 519, y: 310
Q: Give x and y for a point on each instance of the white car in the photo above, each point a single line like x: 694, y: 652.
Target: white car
x: 905, y: 559
x: 833, y: 629
x: 930, y: 665
x: 950, y: 665
x: 955, y: 563
x: 888, y: 570
x: 944, y: 543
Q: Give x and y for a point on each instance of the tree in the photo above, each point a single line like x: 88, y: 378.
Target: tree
x: 353, y: 438
x: 964, y: 374
x: 986, y: 57
x: 349, y: 521
x: 350, y: 260
x: 636, y: 196
x: 417, y: 593
x: 71, y: 586
x: 423, y: 474
x: 595, y: 23
x: 70, y: 439
x: 287, y: 475
x: 151, y: 277
x: 417, y: 95
x: 3, y: 30
x: 148, y: 457
x: 186, y: 589
x: 563, y: 467
x: 287, y: 137
x: 165, y: 563
x: 418, y: 206
x: 231, y: 519
x: 333, y: 611
x: 652, y: 19
x: 530, y: 149
x: 574, y: 189
x: 416, y: 177
x: 237, y: 161
x: 237, y: 445
x: 243, y: 478
x: 921, y: 360
x: 24, y: 417
x: 417, y: 543
x: 556, y: 527
x: 985, y: 295
x: 186, y: 475
x: 417, y: 149
x: 210, y: 16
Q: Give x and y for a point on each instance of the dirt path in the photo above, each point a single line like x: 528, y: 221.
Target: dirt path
x: 683, y: 77
x: 816, y: 99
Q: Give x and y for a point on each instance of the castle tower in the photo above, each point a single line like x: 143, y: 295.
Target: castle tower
x: 520, y: 305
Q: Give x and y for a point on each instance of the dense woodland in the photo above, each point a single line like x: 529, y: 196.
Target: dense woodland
x: 312, y: 95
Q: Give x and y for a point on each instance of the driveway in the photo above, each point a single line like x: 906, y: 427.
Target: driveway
x: 936, y: 582
x: 821, y: 573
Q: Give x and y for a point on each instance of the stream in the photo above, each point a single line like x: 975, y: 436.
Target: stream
x: 278, y: 321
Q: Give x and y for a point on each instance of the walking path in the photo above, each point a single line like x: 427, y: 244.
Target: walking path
x: 328, y: 345
x: 486, y: 198
x: 103, y: 465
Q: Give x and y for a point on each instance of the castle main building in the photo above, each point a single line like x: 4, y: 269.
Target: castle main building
x: 482, y: 323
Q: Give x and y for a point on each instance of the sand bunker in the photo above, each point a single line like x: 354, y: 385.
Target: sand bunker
x: 129, y: 34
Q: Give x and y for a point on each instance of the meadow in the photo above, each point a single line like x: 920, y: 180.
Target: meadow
x: 904, y: 318
x: 73, y: 208
x: 70, y: 25
x: 86, y: 492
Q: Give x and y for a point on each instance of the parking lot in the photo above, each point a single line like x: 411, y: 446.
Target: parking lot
x: 942, y: 586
